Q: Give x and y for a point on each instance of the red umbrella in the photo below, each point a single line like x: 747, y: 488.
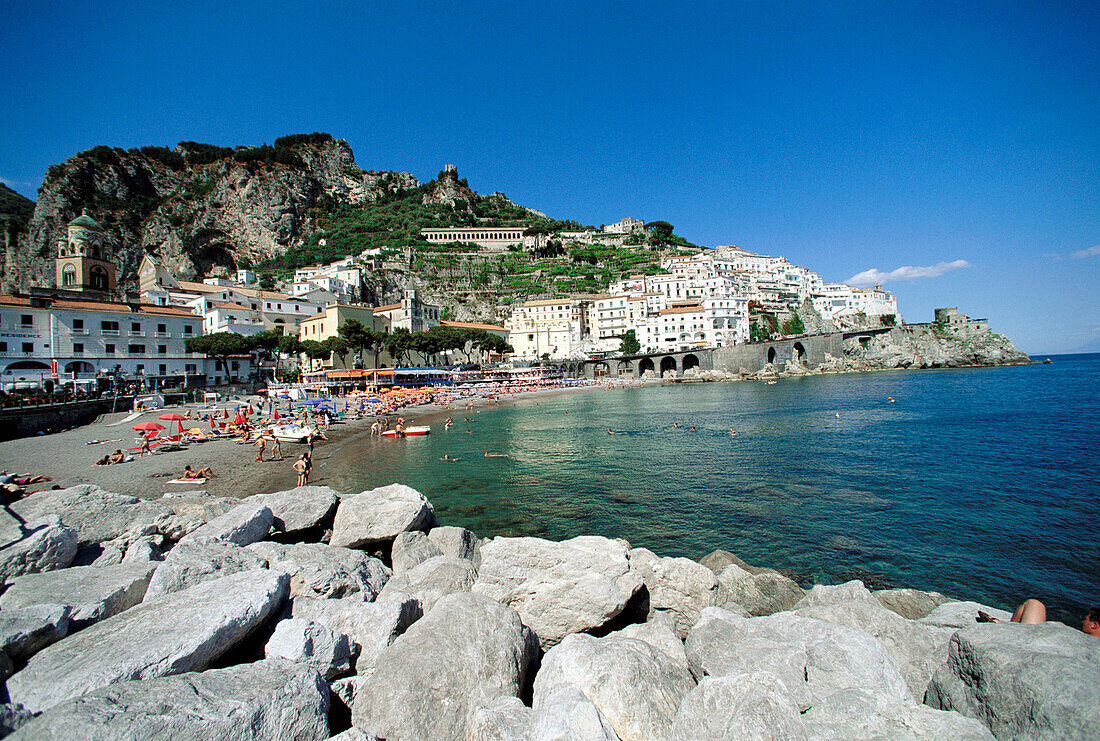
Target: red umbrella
x: 225, y: 413
x: 250, y: 410
x: 275, y: 414
x: 213, y: 425
x: 174, y: 418
x: 147, y: 427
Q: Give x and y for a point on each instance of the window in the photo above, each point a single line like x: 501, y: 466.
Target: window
x: 108, y: 327
x: 136, y: 350
x: 28, y: 347
x: 188, y: 328
x: 78, y: 325
x: 108, y: 349
x: 162, y: 369
x: 135, y: 326
x: 140, y: 370
x: 78, y: 348
x: 162, y: 329
x: 68, y: 274
x: 190, y: 369
x: 236, y: 365
x: 26, y: 319
x: 162, y: 349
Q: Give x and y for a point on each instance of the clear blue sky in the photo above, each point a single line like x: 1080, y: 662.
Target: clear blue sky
x: 848, y: 136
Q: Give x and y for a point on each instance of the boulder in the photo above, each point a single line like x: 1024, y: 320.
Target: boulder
x: 459, y: 657
x: 918, y: 649
x: 12, y: 717
x: 92, y: 593
x: 411, y: 548
x: 566, y: 714
x: 354, y: 734
x: 857, y: 715
x: 431, y: 580
x: 26, y: 631
x: 143, y: 550
x: 318, y: 570
x: 911, y: 604
x: 717, y: 561
x: 46, y: 546
x: 1022, y: 681
x: 194, y: 509
x: 243, y: 525
x: 312, y: 644
x: 740, y: 706
x: 95, y: 514
x: 11, y: 527
x: 380, y: 515
x: 678, y: 586
x: 181, y: 632
x: 825, y: 594
x: 762, y: 593
x: 344, y: 689
x: 264, y: 700
x: 194, y: 561
x: 635, y: 686
x: 371, y: 626
x: 458, y: 542
x: 962, y: 615
x: 504, y: 719
x: 558, y: 588
x: 811, y: 657
x: 298, y: 510
x: 659, y: 632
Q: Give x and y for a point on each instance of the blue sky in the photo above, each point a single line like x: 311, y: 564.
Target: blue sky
x: 848, y: 137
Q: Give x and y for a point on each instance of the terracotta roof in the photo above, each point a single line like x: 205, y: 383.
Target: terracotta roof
x: 387, y: 307
x: 232, y: 306
x: 105, y: 306
x: 546, y: 302
x: 193, y: 287
x: 473, y: 325
x: 682, y: 310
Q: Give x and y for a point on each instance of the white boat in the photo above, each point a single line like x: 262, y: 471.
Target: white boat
x: 409, y: 431
x: 292, y: 433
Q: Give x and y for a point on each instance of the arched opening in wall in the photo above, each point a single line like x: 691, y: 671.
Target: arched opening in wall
x: 626, y: 368
x: 798, y: 353
x: 26, y: 365
x: 668, y: 364
x: 645, y: 365
x: 68, y: 276
x: 79, y: 366
x: 690, y: 361
x: 771, y: 354
x: 97, y: 276
x: 599, y: 370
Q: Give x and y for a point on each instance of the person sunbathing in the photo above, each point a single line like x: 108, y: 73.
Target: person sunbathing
x: 204, y: 473
x: 1034, y: 612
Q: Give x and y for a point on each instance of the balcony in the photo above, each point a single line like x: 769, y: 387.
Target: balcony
x: 109, y: 332
x: 139, y: 333
x: 80, y: 331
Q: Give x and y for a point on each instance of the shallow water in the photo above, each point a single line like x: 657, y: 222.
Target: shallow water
x: 979, y: 483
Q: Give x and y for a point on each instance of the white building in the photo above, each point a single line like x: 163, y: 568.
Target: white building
x: 490, y: 237
x: 629, y: 225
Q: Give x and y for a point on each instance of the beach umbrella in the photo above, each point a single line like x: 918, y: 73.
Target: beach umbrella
x: 174, y: 418
x: 275, y: 414
x: 225, y: 413
x: 213, y: 425
x: 250, y: 410
x: 147, y: 427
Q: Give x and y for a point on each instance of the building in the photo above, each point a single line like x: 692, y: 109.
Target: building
x: 489, y: 237
x: 628, y: 225
x: 553, y: 328
x: 410, y: 313
x: 84, y: 260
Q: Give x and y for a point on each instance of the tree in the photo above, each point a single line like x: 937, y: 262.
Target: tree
x: 494, y: 344
x: 219, y: 346
x: 794, y: 325
x: 338, y: 346
x: 358, y: 335
x: 267, y: 282
x: 630, y: 344
x: 315, y: 350
x: 398, y: 344
x: 662, y: 230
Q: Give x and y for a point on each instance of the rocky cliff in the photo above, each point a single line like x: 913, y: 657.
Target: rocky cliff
x: 199, y: 209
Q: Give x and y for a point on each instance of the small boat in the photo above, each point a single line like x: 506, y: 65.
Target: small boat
x: 292, y: 433
x: 409, y: 431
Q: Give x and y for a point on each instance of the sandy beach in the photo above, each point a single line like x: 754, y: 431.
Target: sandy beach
x: 68, y: 458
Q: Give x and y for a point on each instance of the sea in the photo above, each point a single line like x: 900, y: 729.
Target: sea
x: 980, y: 483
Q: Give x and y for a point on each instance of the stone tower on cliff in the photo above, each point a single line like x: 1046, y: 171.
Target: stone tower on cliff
x: 84, y: 261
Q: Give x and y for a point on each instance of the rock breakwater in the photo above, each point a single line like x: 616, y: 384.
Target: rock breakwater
x: 310, y: 613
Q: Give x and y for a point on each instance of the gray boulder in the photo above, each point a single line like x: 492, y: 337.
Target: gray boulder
x: 459, y: 657
x: 345, y: 688
x: 143, y: 550
x: 826, y: 594
x: 300, y: 509
x: 354, y: 734
x: 92, y: 593
x: 961, y: 615
x: 762, y: 593
x: 857, y: 715
x: 659, y: 632
x: 180, y: 632
x: 46, y: 546
x: 504, y: 719
x: 25, y: 631
x: 1022, y: 681
x: 717, y: 561
x: 458, y: 542
x: 566, y: 714
x: 635, y: 686
x: 318, y: 570
x: 812, y: 658
x: 911, y: 604
x: 95, y: 514
x: 12, y: 717
x: 11, y: 527
x: 918, y: 649
x: 243, y: 525
x: 312, y: 644
x: 380, y: 515
x: 193, y: 562
x: 678, y: 586
x: 371, y: 626
x: 411, y: 548
x: 431, y: 580
x: 194, y: 509
x: 740, y: 706
x: 558, y: 588
x: 264, y: 700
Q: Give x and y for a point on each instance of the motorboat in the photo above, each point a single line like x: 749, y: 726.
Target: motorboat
x: 292, y: 433
x: 412, y: 431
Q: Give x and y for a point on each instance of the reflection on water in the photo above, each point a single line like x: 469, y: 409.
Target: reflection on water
x: 979, y: 483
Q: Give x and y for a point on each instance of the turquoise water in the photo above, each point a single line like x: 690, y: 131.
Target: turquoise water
x: 979, y: 483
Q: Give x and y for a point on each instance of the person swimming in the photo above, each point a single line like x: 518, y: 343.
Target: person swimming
x: 494, y: 455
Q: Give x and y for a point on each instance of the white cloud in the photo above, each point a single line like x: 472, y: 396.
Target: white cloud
x: 906, y: 272
x: 1090, y: 252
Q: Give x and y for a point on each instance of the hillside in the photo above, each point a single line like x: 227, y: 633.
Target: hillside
x: 205, y: 210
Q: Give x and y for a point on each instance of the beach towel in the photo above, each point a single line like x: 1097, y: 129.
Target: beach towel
x: 187, y: 481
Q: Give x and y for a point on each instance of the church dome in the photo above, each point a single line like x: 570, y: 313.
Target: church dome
x: 85, y: 221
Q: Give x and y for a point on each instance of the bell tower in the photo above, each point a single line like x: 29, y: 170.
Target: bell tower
x: 84, y: 262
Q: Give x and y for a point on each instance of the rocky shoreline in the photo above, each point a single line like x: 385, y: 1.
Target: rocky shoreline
x: 306, y: 613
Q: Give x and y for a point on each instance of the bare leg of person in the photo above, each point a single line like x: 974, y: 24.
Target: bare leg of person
x: 1031, y: 612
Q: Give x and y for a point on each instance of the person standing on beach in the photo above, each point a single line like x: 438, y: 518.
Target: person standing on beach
x: 261, y: 442
x: 301, y: 466
x: 276, y: 450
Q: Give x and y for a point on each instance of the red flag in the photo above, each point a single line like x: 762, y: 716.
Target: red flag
x: 276, y: 415
x: 250, y: 410
x: 212, y: 425
x: 225, y: 413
